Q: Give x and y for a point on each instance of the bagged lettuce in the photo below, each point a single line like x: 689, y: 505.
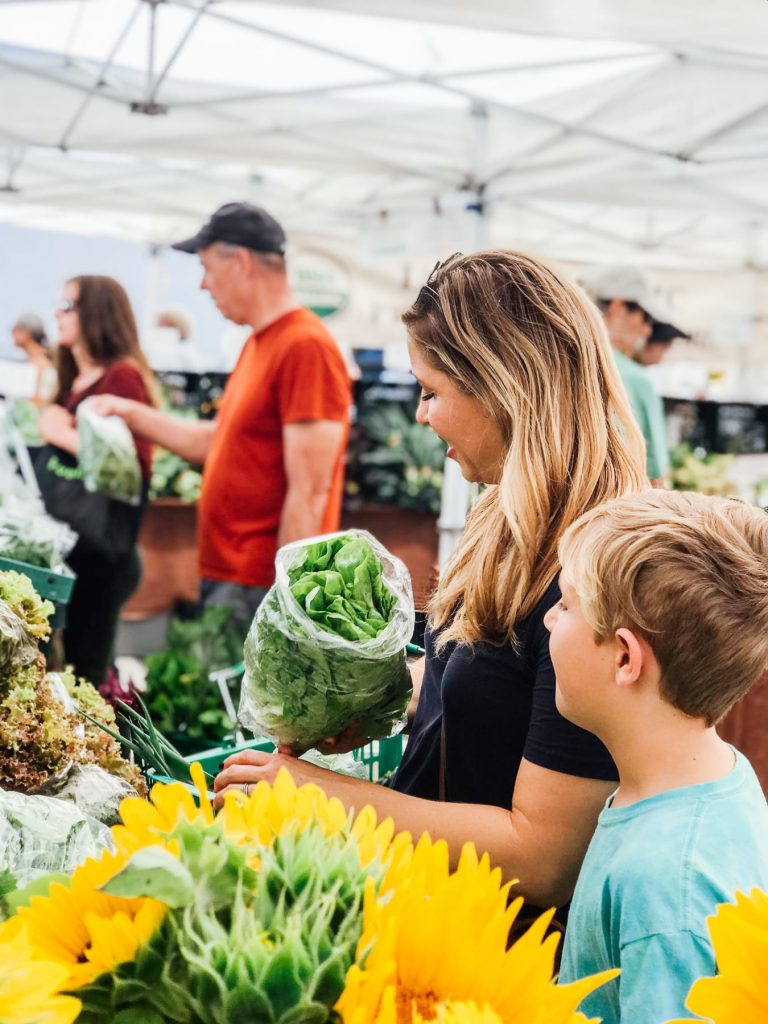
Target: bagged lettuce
x: 107, y: 456
x: 327, y: 645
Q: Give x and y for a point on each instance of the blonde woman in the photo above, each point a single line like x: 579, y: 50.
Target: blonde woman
x: 518, y: 377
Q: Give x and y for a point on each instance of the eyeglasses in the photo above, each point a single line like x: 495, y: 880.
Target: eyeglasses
x: 66, y: 306
x: 428, y: 290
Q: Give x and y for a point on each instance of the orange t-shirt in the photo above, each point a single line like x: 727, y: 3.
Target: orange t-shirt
x: 289, y: 372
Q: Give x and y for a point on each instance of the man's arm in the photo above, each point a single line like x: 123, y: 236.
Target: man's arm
x: 191, y: 439
x: 310, y: 455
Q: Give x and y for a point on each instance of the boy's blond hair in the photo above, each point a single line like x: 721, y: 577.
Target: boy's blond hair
x: 689, y: 572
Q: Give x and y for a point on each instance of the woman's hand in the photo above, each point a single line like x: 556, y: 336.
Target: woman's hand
x: 251, y: 766
x: 57, y: 426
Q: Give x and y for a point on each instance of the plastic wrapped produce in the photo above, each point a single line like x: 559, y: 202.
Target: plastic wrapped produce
x: 327, y: 645
x: 97, y: 793
x: 21, y: 597
x: 107, y: 456
x: 39, y: 834
x: 28, y: 534
x: 342, y: 764
x: 17, y: 647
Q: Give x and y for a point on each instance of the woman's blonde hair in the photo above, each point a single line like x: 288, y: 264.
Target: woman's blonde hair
x: 532, y: 349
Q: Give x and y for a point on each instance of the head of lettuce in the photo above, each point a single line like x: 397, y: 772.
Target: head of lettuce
x: 327, y: 645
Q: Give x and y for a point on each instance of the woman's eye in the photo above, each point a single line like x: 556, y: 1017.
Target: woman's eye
x: 561, y: 606
x: 426, y: 395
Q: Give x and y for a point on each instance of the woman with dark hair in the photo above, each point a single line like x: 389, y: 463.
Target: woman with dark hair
x: 97, y: 353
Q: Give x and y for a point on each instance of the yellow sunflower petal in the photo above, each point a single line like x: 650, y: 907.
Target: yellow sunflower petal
x: 85, y: 930
x: 29, y: 989
x: 437, y: 937
x: 738, y: 994
x: 201, y: 784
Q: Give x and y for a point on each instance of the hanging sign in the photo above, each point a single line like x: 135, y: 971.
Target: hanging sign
x: 320, y: 281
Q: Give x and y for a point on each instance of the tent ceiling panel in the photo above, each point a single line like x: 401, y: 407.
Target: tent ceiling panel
x: 647, y: 140
x: 738, y: 25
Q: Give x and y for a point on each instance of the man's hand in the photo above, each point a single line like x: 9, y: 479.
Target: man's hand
x: 112, y: 405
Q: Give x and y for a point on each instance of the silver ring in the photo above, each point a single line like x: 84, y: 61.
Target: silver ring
x: 246, y: 788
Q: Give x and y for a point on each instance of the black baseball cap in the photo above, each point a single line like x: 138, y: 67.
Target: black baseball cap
x: 238, y: 224
x: 665, y: 334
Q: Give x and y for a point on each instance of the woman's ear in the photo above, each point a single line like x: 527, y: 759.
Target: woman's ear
x: 630, y: 657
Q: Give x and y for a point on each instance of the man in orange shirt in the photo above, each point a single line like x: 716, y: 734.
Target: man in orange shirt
x: 274, y: 456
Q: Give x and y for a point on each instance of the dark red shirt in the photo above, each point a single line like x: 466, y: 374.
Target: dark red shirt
x: 124, y: 380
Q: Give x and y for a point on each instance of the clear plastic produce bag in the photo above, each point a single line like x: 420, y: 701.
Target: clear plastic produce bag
x: 39, y: 834
x: 17, y: 647
x: 327, y: 645
x: 107, y: 456
x: 28, y: 534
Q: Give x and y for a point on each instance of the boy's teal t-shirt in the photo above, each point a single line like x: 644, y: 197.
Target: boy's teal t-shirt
x: 653, y: 873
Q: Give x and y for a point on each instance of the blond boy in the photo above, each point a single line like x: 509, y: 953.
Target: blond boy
x: 662, y: 627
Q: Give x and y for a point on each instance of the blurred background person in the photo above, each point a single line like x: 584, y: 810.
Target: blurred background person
x: 632, y: 311
x: 659, y: 343
x: 29, y: 336
x: 169, y: 346
x: 97, y: 353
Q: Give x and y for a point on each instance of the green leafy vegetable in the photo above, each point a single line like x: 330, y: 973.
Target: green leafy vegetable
x: 327, y: 646
x: 180, y: 696
x: 21, y: 597
x: 107, y: 456
x: 174, y: 477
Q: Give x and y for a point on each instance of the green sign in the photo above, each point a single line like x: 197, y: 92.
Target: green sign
x: 321, y: 281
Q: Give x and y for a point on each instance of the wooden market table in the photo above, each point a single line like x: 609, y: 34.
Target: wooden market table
x: 168, y: 549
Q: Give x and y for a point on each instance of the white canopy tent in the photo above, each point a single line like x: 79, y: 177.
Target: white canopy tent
x: 592, y: 132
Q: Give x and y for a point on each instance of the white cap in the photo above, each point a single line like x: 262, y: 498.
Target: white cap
x: 631, y: 285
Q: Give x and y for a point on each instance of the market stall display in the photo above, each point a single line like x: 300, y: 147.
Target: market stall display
x: 173, y: 477
x: 62, y: 778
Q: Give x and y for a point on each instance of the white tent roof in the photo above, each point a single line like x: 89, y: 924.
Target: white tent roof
x: 589, y: 131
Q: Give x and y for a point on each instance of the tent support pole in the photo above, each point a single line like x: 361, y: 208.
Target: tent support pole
x: 64, y: 140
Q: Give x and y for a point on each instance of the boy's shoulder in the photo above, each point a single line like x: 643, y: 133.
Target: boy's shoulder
x: 668, y: 861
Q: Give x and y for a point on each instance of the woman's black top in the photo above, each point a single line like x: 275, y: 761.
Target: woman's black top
x: 494, y: 706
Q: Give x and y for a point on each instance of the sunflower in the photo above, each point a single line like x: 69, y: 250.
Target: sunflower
x: 29, y: 988
x: 151, y: 822
x: 273, y: 810
x: 433, y: 940
x: 738, y: 994
x: 85, y: 931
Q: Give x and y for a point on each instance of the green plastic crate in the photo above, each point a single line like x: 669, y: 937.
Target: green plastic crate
x: 381, y: 757
x: 53, y: 586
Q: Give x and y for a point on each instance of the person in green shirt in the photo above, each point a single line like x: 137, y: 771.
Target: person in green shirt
x: 632, y: 312
x: 659, y: 343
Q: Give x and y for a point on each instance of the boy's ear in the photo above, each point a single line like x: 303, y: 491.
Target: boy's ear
x: 630, y: 657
